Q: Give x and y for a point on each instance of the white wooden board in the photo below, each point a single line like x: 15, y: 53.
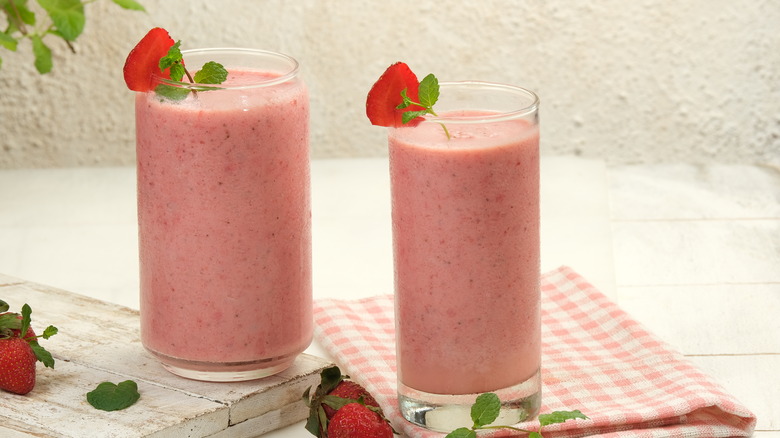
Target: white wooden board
x: 99, y: 341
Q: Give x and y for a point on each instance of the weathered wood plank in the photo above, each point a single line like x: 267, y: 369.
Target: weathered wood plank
x: 98, y: 342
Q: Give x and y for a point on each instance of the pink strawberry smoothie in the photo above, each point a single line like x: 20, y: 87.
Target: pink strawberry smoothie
x: 224, y: 217
x: 466, y: 246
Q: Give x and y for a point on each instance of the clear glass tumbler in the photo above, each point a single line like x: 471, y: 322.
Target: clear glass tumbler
x: 224, y: 216
x: 465, y: 212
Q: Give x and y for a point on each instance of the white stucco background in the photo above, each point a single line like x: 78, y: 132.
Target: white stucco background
x: 627, y: 81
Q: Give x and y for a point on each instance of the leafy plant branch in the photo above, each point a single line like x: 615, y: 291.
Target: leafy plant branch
x: 65, y: 19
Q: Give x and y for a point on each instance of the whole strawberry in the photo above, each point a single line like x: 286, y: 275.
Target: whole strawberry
x: 355, y: 420
x: 17, y: 366
x: 350, y: 390
x: 331, y: 396
x: 20, y: 350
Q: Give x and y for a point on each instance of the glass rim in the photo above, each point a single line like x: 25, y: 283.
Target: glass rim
x: 284, y: 77
x: 500, y: 115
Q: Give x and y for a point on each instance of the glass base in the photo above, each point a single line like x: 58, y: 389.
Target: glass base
x: 445, y: 413
x: 224, y: 371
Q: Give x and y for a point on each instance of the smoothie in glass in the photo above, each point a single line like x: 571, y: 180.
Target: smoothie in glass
x: 466, y: 250
x: 225, y: 220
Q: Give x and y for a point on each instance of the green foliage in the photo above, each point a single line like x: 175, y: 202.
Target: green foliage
x: 64, y: 19
x: 113, y: 397
x: 486, y: 409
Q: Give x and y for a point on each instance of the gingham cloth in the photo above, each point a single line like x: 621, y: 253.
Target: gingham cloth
x: 595, y: 358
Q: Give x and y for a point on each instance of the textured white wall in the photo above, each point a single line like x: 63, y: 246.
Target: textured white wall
x: 628, y: 81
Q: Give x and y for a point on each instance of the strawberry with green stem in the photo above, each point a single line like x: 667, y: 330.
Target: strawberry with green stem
x: 397, y: 98
x: 331, y: 406
x: 20, y: 350
x: 157, y: 58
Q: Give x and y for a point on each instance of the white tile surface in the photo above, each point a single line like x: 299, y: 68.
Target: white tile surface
x: 714, y: 319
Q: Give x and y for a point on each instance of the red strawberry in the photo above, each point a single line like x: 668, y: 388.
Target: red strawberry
x: 144, y: 60
x: 385, y: 95
x: 333, y: 395
x: 18, y: 354
x: 353, y: 391
x: 17, y: 365
x: 355, y: 420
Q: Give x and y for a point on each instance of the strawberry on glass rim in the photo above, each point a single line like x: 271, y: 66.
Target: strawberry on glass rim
x: 398, y: 98
x: 385, y: 97
x: 143, y: 62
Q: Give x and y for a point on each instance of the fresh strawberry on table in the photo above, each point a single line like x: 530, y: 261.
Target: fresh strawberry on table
x: 143, y: 62
x: 327, y: 409
x: 20, y: 350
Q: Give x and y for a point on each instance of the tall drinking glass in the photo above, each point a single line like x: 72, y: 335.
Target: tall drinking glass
x: 224, y: 217
x: 465, y: 213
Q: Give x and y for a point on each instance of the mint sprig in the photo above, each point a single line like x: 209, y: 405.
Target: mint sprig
x: 211, y: 73
x: 108, y: 396
x: 428, y: 95
x: 486, y: 409
x: 65, y: 19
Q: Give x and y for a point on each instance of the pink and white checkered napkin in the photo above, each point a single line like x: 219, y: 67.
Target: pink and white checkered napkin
x: 596, y: 358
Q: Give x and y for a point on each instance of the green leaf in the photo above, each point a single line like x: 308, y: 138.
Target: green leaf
x: 171, y: 92
x: 406, y: 100
x: 42, y: 54
x: 485, y: 409
x: 130, y: 4
x: 408, y: 116
x: 462, y: 432
x: 9, y: 43
x: 173, y: 60
x: 4, y: 306
x: 429, y: 91
x: 42, y: 355
x: 10, y: 321
x: 559, y: 417
x: 211, y: 73
x: 26, y: 312
x: 113, y: 397
x: 27, y: 16
x: 49, y: 332
x: 534, y: 435
x: 67, y: 16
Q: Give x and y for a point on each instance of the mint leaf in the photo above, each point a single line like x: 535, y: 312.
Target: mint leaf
x: 171, y: 92
x: 113, y: 397
x: 429, y: 91
x: 406, y: 100
x: 560, y: 417
x: 130, y: 4
x: 462, y: 432
x: 42, y: 55
x: 535, y: 435
x: 408, y: 116
x: 4, y: 306
x: 173, y: 60
x: 67, y: 16
x: 211, y: 73
x: 485, y: 409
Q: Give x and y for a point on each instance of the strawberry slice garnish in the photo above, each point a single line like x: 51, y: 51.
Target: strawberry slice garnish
x: 143, y: 62
x: 385, y: 95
